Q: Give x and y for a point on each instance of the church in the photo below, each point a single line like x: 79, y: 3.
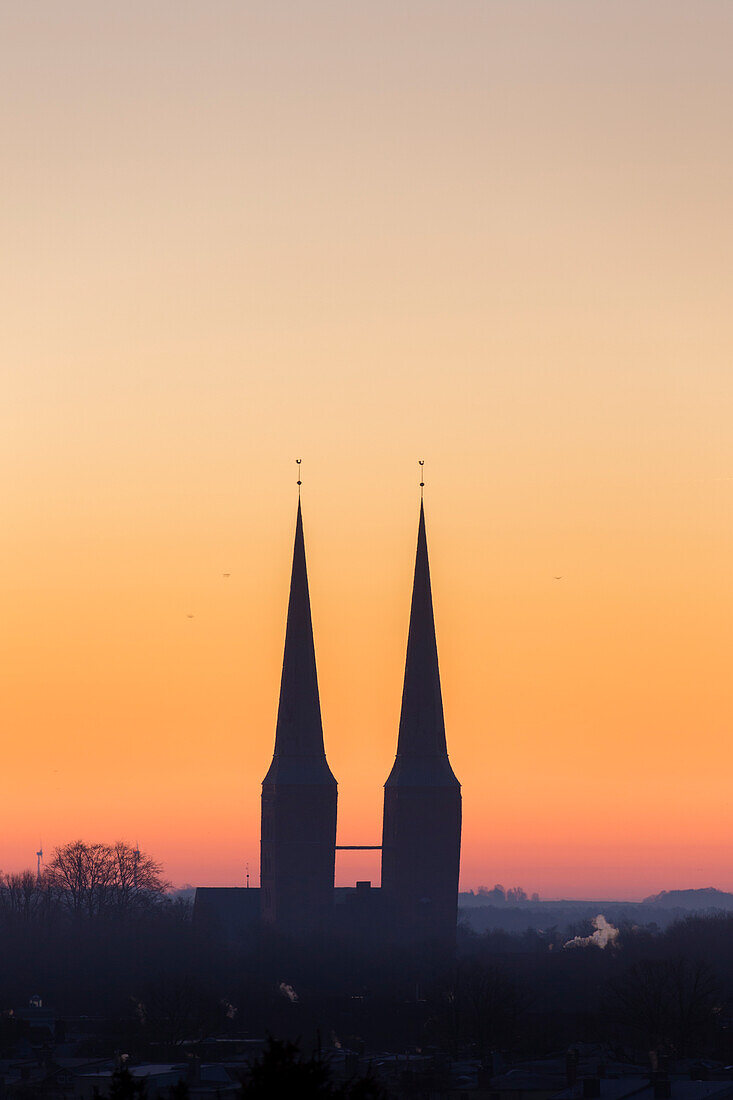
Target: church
x: 417, y: 901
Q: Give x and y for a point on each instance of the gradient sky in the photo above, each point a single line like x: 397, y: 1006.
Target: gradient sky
x: 493, y: 234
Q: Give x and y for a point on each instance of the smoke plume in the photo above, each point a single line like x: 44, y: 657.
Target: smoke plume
x: 604, y: 935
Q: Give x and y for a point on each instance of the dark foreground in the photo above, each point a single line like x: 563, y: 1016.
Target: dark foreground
x: 85, y: 996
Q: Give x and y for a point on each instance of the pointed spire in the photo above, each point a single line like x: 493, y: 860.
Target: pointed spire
x: 299, y: 792
x: 299, y: 730
x: 422, y: 729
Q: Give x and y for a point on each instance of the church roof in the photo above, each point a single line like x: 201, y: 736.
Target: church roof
x: 299, y: 752
x: 421, y: 747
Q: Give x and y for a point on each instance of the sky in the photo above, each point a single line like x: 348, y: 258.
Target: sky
x: 495, y: 235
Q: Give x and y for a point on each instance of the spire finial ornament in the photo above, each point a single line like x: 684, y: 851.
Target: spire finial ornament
x: 298, y: 461
x: 421, y: 463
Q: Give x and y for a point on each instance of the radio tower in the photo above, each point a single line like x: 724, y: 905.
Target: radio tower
x: 39, y: 860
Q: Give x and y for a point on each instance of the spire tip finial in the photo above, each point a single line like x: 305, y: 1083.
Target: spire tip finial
x: 298, y: 461
x: 421, y: 463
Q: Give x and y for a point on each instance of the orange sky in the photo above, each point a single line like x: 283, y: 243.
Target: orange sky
x: 496, y: 235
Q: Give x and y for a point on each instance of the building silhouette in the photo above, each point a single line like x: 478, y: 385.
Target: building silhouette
x: 421, y: 835
x: 417, y: 902
x: 298, y: 833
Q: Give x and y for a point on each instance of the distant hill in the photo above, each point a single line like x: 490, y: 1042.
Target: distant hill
x: 706, y: 898
x: 659, y: 910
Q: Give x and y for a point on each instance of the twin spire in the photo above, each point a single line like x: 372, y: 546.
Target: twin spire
x: 299, y: 728
x: 421, y: 832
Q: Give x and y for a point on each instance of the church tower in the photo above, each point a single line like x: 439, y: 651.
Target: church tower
x: 298, y: 839
x: 421, y: 838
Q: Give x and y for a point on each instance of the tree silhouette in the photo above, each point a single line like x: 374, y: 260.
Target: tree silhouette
x: 94, y: 880
x: 667, y: 1004
x: 124, y: 1086
x: 483, y: 1007
x: 283, y: 1071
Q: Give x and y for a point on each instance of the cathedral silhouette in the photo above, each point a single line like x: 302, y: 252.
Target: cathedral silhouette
x: 417, y: 902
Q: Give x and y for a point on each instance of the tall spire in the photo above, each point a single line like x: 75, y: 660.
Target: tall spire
x: 299, y: 730
x: 299, y: 795
x: 421, y: 832
x: 422, y: 729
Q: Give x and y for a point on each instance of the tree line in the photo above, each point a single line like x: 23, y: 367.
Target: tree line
x: 91, y: 881
x: 98, y: 932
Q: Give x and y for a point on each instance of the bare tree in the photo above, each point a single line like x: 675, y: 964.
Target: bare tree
x: 497, y: 896
x: 516, y: 895
x: 484, y: 1007
x: 137, y: 878
x: 668, y: 1004
x: 179, y: 1007
x: 95, y: 880
x: 22, y: 895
